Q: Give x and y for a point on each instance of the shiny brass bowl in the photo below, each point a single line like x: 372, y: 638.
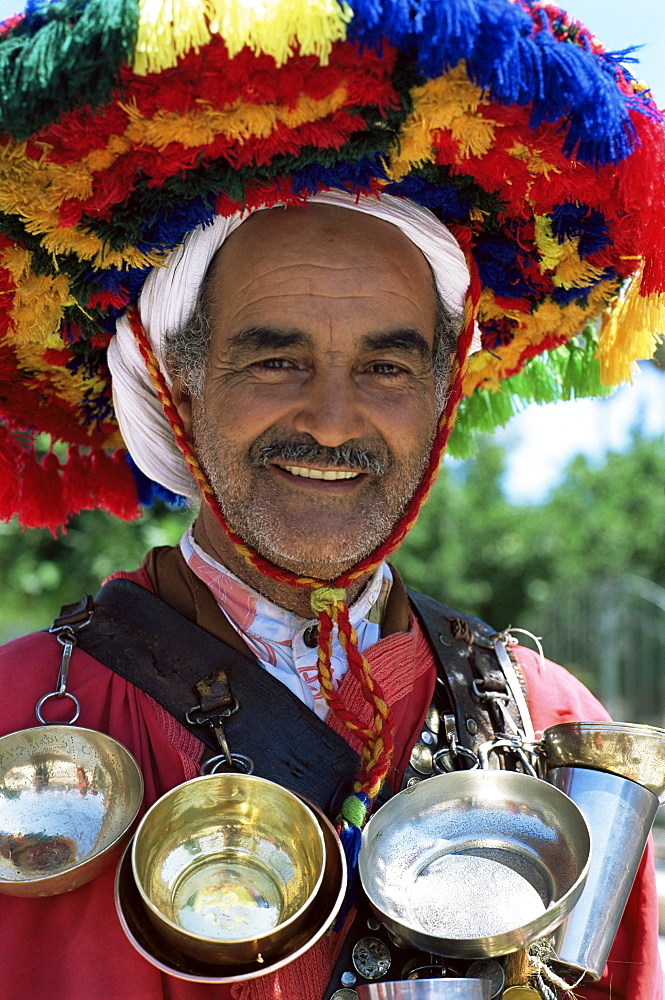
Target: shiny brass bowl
x: 68, y: 797
x: 227, y: 865
x: 148, y: 941
x: 631, y: 751
x: 475, y: 864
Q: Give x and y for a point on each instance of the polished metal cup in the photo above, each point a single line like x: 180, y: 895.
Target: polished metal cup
x: 427, y: 989
x: 619, y: 813
x: 68, y: 798
x: 228, y: 867
x: 170, y: 960
x: 625, y: 748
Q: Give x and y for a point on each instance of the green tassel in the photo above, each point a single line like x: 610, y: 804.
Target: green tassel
x: 568, y: 372
x: 62, y: 54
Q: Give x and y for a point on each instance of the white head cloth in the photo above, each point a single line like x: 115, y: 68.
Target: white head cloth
x: 169, y: 295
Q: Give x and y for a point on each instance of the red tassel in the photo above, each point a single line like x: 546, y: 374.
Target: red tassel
x: 9, y: 480
x: 41, y: 500
x: 77, y: 482
x: 113, y: 485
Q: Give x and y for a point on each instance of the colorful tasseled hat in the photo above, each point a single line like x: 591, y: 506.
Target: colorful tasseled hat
x: 125, y: 123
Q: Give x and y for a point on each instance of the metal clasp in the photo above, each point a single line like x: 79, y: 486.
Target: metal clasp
x: 517, y: 745
x: 453, y: 757
x: 66, y: 636
x: 195, y: 716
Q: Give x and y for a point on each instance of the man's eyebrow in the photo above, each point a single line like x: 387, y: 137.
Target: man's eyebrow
x: 257, y: 338
x: 409, y: 341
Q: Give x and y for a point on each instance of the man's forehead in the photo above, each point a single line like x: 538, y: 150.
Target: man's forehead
x: 286, y: 267
x: 339, y: 236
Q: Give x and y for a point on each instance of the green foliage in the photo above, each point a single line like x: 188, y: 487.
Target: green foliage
x: 39, y: 573
x: 471, y: 547
x: 504, y: 562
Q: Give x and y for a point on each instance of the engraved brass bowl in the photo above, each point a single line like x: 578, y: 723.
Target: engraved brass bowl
x: 475, y: 864
x: 631, y: 751
x: 227, y: 866
x: 68, y: 797
x: 170, y: 960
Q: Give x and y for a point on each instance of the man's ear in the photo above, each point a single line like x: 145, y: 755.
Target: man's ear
x: 183, y: 404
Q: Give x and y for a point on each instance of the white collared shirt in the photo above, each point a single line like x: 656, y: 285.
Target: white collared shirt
x: 277, y: 636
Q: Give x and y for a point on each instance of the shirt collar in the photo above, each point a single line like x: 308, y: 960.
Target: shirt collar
x: 254, y: 614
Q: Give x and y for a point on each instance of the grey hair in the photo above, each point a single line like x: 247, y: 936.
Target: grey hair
x: 186, y: 350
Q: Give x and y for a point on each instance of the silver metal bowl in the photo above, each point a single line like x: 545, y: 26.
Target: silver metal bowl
x: 427, y: 989
x: 169, y: 959
x: 475, y: 863
x: 68, y: 797
x: 631, y: 751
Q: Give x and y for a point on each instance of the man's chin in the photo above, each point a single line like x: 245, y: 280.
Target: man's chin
x: 312, y: 556
x: 311, y: 563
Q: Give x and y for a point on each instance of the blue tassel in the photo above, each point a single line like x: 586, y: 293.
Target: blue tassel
x: 350, y: 822
x: 149, y: 491
x: 570, y: 219
x: 559, y: 79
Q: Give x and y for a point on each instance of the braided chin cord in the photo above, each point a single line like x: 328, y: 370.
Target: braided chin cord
x: 329, y: 601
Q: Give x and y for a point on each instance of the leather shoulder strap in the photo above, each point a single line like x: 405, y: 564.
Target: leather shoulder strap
x: 149, y: 643
x: 471, y: 669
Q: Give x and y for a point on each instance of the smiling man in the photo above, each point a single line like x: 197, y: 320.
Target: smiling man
x: 264, y: 267
x: 317, y: 413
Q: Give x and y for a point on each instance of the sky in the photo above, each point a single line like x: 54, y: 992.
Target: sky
x: 542, y: 439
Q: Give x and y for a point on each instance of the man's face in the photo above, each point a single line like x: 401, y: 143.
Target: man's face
x: 318, y: 409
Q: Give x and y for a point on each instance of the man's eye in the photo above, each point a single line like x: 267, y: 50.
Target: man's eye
x: 275, y: 363
x: 386, y: 368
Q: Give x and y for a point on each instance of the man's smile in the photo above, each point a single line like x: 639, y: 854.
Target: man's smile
x: 329, y: 474
x: 323, y: 482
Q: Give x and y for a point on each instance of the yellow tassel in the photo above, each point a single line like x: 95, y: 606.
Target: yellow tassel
x: 532, y: 328
x: 573, y: 272
x: 533, y: 159
x: 562, y: 257
x: 630, y: 333
x: 450, y: 102
x: 551, y: 251
x: 168, y: 29
x: 93, y: 249
x: 38, y: 300
x: 200, y: 126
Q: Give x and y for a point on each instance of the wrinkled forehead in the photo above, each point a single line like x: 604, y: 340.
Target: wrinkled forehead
x: 170, y: 292
x: 317, y: 273
x: 318, y: 250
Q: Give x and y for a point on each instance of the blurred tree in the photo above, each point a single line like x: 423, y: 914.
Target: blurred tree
x: 471, y: 547
x: 608, y: 520
x: 475, y: 550
x: 40, y: 573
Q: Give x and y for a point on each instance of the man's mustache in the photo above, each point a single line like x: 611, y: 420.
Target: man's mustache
x: 295, y: 451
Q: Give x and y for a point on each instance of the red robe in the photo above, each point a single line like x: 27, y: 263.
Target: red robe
x: 72, y: 946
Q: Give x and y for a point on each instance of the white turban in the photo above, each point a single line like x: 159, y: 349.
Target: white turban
x: 169, y: 295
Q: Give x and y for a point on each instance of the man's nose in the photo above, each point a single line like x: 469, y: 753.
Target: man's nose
x: 330, y: 410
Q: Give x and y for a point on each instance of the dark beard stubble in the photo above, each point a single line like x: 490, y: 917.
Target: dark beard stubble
x: 308, y: 537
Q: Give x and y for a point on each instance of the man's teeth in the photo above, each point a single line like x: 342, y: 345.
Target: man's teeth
x: 297, y: 470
